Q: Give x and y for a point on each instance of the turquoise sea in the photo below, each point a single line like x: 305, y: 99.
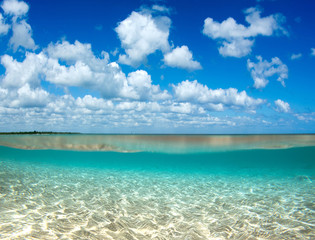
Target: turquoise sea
x: 157, y: 186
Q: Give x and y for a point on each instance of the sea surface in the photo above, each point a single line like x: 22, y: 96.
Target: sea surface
x: 157, y: 186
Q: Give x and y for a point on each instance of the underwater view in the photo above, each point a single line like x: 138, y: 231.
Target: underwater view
x: 157, y: 186
x: 157, y: 120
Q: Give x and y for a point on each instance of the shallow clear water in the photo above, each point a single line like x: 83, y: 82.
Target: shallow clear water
x: 232, y: 194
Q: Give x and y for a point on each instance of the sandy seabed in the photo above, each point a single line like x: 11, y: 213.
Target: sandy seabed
x: 51, y: 202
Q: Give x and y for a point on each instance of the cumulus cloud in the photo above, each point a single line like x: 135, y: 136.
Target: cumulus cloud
x: 140, y: 87
x: 119, y: 96
x: 24, y: 99
x: 236, y: 39
x: 4, y: 28
x: 3, y: 93
x: 75, y: 65
x: 93, y: 103
x: 27, y: 97
x: 22, y: 82
x: 181, y: 57
x: 186, y: 108
x: 16, y: 12
x: 86, y: 114
x: 282, y: 106
x: 296, y: 56
x: 14, y: 7
x: 263, y: 69
x: 66, y: 64
x: 236, y: 48
x: 88, y: 71
x: 142, y: 34
x: 83, y: 69
x: 71, y: 53
x: 22, y: 36
x: 145, y: 32
x: 313, y: 51
x: 17, y: 74
x: 215, y: 99
x: 145, y: 107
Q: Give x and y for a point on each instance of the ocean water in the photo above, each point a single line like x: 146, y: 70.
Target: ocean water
x: 157, y: 187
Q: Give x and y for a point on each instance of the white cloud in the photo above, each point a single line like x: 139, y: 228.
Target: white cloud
x: 33, y: 108
x: 263, y: 69
x: 3, y: 93
x: 94, y: 103
x: 22, y: 31
x: 236, y: 48
x: 219, y: 107
x: 296, y: 56
x: 82, y: 69
x: 216, y: 99
x: 15, y: 12
x: 142, y: 34
x: 66, y: 113
x: 181, y: 57
x: 183, y: 107
x: 28, y: 97
x: 25, y: 101
x: 62, y: 105
x: 25, y: 96
x: 145, y: 32
x: 75, y: 65
x: 145, y: 107
x: 237, y: 39
x: 91, y: 114
x: 4, y: 28
x: 14, y: 7
x: 306, y: 117
x: 140, y: 87
x: 94, y: 73
x: 282, y: 106
x: 313, y: 51
x: 71, y: 53
x: 22, y: 36
x: 160, y: 8
x: 153, y: 106
x: 17, y: 74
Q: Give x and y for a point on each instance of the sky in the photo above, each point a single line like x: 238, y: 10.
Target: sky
x: 143, y: 66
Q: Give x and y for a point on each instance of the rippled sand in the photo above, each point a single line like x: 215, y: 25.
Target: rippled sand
x: 40, y: 202
x: 156, y: 143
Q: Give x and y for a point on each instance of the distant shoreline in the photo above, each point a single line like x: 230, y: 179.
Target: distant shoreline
x: 36, y: 133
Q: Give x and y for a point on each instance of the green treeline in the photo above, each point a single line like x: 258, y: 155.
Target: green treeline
x: 37, y: 132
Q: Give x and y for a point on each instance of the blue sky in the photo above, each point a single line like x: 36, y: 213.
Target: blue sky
x: 157, y: 66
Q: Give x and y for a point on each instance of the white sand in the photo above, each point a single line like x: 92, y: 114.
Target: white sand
x: 48, y: 202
